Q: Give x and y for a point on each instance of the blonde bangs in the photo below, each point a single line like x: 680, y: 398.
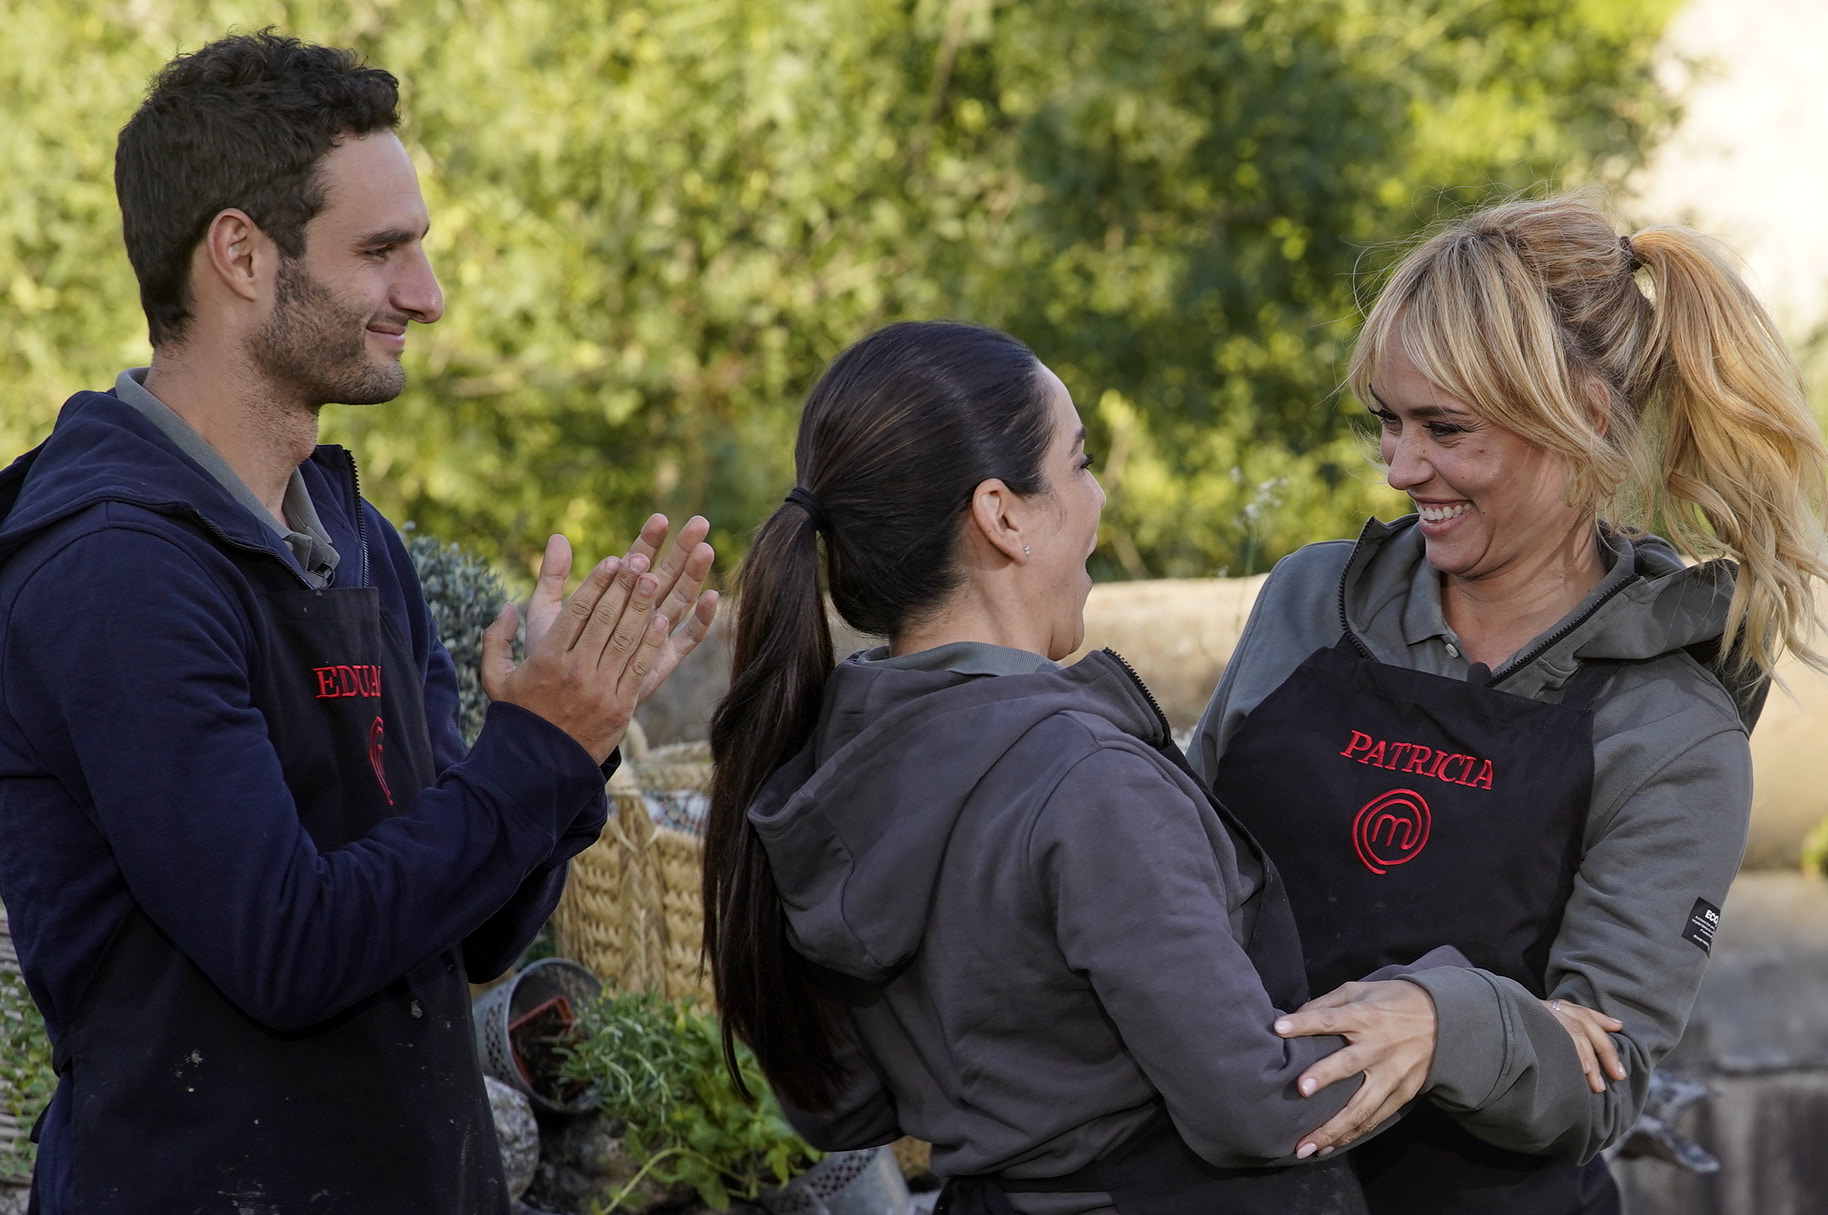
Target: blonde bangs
x: 1473, y: 318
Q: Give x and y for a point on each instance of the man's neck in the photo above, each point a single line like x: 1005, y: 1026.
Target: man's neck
x: 256, y: 431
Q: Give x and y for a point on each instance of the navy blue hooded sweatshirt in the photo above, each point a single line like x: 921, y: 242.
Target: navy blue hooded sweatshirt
x: 134, y: 770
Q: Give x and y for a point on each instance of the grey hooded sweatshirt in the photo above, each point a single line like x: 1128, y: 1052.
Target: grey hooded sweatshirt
x: 1666, y: 825
x: 1044, y: 914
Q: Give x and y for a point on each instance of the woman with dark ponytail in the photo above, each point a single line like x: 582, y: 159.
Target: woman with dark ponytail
x: 955, y: 890
x: 1522, y: 718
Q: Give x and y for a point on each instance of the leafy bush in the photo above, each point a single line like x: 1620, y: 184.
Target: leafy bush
x: 655, y: 221
x: 26, y: 1079
x: 1815, y: 850
x: 464, y: 594
x: 659, y: 1069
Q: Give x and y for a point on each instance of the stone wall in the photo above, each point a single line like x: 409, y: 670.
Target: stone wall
x: 1758, y: 1037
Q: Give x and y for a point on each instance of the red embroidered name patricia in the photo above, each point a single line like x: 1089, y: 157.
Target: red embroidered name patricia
x: 336, y: 681
x: 1450, y: 766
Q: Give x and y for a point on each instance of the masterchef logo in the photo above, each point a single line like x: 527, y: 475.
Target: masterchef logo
x: 1450, y: 766
x: 1391, y: 829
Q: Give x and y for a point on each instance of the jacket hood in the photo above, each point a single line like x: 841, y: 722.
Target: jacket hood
x: 856, y: 826
x: 104, y: 450
x: 1649, y: 604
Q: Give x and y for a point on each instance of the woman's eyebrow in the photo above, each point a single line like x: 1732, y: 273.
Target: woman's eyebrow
x: 1424, y: 413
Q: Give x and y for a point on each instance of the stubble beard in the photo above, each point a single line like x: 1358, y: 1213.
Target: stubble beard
x: 316, y: 348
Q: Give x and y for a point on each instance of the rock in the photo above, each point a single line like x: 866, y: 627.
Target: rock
x: 1758, y: 1039
x: 584, y: 1164
x: 1764, y: 1004
x: 518, y: 1132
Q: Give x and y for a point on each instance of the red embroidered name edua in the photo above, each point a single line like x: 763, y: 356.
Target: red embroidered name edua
x: 343, y: 680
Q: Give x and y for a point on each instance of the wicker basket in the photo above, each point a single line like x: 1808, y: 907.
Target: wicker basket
x: 631, y: 909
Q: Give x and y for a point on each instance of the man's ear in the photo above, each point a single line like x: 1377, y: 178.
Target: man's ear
x: 996, y: 513
x: 236, y: 254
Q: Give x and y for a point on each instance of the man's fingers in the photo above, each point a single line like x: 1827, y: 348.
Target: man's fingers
x: 642, y: 662
x: 650, y: 538
x: 549, y: 589
x: 615, y: 629
x: 698, y: 625
x: 555, y: 567
x: 679, y: 558
x: 682, y: 589
x: 593, y: 609
x: 498, y: 650
x: 569, y: 627
x: 682, y: 641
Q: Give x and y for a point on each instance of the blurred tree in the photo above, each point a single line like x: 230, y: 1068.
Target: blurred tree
x: 655, y: 222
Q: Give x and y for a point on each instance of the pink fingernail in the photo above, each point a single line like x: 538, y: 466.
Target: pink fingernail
x: 1304, y: 1151
x: 1282, y: 1027
x: 1307, y: 1088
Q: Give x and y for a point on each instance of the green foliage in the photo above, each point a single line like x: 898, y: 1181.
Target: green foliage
x: 26, y: 1079
x: 464, y: 595
x: 659, y: 1068
x: 656, y: 221
x: 1815, y: 850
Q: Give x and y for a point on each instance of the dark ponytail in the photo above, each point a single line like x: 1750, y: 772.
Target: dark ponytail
x: 893, y: 442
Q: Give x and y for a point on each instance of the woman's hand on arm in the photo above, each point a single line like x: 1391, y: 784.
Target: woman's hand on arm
x: 1389, y: 1028
x: 1592, y: 1033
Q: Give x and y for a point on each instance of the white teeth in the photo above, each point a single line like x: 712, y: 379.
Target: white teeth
x: 1440, y: 514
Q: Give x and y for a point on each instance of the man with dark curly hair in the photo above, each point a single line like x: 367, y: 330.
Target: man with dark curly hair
x: 249, y: 865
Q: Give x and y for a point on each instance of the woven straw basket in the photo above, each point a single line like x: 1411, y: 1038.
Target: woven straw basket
x: 631, y: 909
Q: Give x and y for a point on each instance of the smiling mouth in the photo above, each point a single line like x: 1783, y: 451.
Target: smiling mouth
x: 1441, y: 514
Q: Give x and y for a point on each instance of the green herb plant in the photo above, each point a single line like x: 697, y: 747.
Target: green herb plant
x: 659, y: 1068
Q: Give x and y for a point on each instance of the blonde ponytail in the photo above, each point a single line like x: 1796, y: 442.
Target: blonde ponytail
x: 1740, y: 460
x: 1681, y: 410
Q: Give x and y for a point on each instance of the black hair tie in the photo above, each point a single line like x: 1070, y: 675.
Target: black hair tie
x: 802, y: 497
x: 1633, y: 262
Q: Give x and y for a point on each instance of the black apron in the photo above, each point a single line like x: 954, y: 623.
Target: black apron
x: 182, y: 1103
x: 1405, y: 811
x: 1154, y: 1172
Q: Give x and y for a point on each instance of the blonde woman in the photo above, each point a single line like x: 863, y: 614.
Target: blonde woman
x: 1515, y: 721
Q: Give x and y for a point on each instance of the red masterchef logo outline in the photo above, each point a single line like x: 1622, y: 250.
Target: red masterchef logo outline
x: 1391, y: 829
x: 377, y: 731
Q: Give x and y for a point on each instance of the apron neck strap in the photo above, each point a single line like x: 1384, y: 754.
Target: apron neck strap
x: 1588, y: 682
